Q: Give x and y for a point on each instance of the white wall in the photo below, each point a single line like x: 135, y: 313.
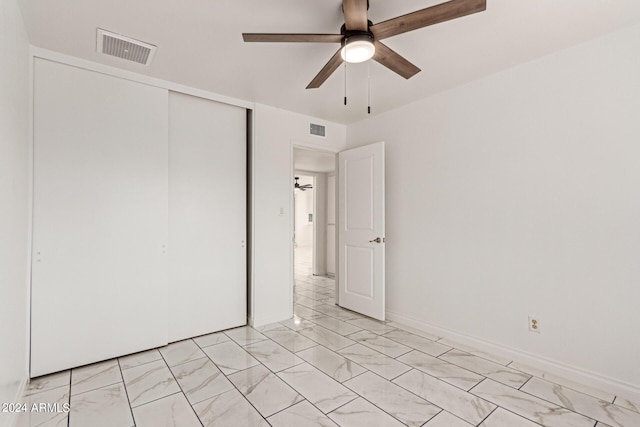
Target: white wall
x: 274, y: 134
x: 519, y: 194
x: 14, y: 95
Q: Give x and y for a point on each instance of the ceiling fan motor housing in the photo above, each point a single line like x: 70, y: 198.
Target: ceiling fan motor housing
x: 348, y: 33
x: 353, y: 36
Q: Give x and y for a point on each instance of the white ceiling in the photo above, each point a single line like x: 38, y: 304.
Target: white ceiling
x: 200, y: 44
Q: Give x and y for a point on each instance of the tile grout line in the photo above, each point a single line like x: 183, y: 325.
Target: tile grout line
x: 407, y: 332
x: 482, y: 374
x: 561, y: 406
x: 232, y: 383
x: 141, y: 364
x: 490, y: 413
x: 356, y: 376
x: 575, y: 389
x: 159, y: 398
x: 178, y: 383
x: 284, y: 382
x: 569, y: 388
x: 115, y: 359
x: 484, y: 377
x: 126, y: 392
x: 469, y: 391
x: 540, y: 398
x: 343, y: 405
x: 483, y: 380
x: 525, y: 383
x: 97, y: 388
x: 411, y: 368
x: 337, y: 354
x: 291, y: 406
x: 517, y: 414
x: 471, y: 352
x: 397, y: 385
x: 451, y: 349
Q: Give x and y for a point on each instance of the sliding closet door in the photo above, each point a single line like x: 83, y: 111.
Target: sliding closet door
x: 207, y: 216
x: 99, y: 282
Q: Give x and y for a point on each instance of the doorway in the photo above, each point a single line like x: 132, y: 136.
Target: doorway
x: 314, y: 216
x: 360, y: 260
x: 303, y: 224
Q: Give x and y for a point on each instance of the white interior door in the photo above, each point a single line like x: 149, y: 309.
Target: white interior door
x: 207, y: 216
x: 361, y: 284
x: 99, y: 271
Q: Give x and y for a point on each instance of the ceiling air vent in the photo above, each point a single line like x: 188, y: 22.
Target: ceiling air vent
x: 317, y: 130
x: 125, y: 47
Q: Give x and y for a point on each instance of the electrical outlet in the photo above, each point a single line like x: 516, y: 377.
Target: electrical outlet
x: 534, y: 324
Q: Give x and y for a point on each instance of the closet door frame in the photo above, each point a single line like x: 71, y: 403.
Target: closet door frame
x: 44, y: 54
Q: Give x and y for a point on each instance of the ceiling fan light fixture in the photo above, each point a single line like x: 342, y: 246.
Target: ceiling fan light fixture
x: 358, y: 48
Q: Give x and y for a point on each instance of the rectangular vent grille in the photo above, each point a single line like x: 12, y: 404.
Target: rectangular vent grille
x: 317, y: 130
x: 125, y: 47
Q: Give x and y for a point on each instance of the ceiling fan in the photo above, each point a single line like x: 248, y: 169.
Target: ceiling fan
x: 304, y: 187
x: 360, y: 38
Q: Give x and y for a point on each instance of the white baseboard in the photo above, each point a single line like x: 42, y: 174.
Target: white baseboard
x: 548, y: 366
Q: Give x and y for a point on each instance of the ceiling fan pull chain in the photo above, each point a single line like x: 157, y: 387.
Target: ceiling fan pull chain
x: 345, y: 80
x: 369, y: 87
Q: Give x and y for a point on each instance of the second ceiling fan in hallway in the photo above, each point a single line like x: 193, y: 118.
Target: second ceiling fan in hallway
x: 304, y: 187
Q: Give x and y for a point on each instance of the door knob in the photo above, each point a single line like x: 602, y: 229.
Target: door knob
x: 376, y: 240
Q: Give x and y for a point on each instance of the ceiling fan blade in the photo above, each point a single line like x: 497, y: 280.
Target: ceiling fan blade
x: 326, y: 71
x: 422, y: 18
x: 292, y: 38
x: 355, y: 15
x: 393, y: 61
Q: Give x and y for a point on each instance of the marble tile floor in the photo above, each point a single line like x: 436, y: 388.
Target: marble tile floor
x: 321, y: 368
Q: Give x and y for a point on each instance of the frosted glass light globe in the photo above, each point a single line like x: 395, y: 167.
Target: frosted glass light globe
x: 358, y: 51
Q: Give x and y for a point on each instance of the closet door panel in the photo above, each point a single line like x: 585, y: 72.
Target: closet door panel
x: 207, y: 216
x: 99, y: 268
